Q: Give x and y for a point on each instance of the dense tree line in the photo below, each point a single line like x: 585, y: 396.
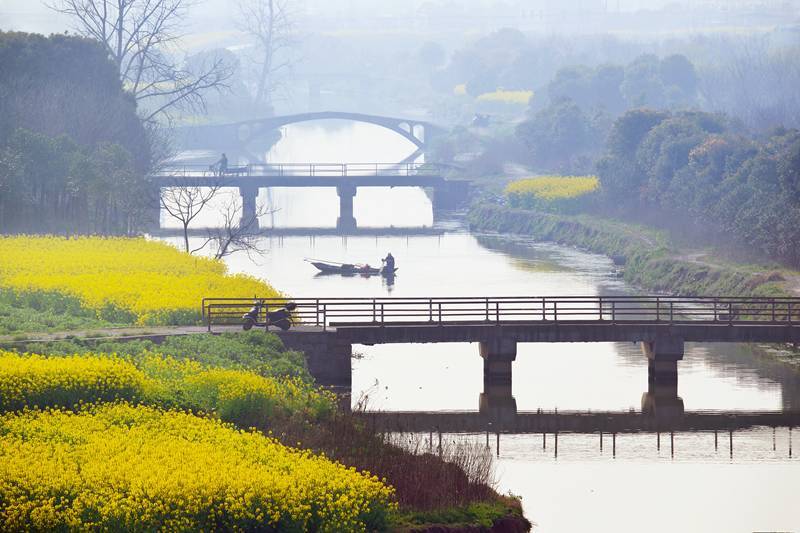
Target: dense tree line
x: 73, y: 152
x: 566, y: 131
x: 699, y: 167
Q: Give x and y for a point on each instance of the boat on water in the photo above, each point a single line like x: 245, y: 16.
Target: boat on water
x: 350, y: 269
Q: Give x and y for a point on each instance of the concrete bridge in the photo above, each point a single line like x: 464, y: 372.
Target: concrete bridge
x: 326, y: 329
x: 236, y: 137
x: 345, y: 177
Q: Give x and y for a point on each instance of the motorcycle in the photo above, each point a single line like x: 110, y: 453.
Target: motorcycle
x: 281, y: 318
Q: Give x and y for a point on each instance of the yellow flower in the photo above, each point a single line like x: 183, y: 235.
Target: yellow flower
x: 121, y: 279
x: 119, y: 467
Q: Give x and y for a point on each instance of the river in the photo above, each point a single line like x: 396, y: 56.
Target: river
x: 693, y: 487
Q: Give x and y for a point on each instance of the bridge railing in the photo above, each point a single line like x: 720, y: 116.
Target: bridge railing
x: 324, y: 312
x: 301, y: 169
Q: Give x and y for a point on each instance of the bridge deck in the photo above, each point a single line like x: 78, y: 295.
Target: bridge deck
x: 537, y: 319
x: 303, y: 175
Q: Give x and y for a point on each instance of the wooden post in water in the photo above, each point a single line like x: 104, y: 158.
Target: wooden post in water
x: 555, y: 447
x: 730, y: 441
x: 671, y: 444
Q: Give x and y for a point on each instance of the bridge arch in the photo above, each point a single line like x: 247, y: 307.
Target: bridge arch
x: 418, y: 132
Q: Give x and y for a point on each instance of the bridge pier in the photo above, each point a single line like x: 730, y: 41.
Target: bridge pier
x: 663, y: 355
x: 497, y: 399
x: 346, y: 220
x: 249, y: 196
x: 662, y: 400
x: 328, y: 356
x: 152, y: 213
x: 450, y: 195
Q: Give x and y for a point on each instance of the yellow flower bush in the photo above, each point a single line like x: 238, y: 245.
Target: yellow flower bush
x: 551, y: 192
x: 34, y: 380
x: 121, y: 279
x: 28, y: 381
x: 122, y: 468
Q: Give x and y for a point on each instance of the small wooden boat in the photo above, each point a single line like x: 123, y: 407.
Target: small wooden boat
x: 349, y: 269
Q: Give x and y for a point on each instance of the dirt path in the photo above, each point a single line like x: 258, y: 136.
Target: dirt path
x: 102, y: 333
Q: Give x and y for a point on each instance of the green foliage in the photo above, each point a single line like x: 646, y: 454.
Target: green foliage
x: 72, y: 149
x: 483, y: 514
x: 649, y: 262
x: 694, y: 165
x: 256, y: 351
x: 42, y: 312
x: 564, y: 138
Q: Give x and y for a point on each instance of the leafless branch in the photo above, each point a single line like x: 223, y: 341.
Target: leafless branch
x: 237, y: 233
x: 271, y: 25
x: 139, y: 36
x: 185, y: 202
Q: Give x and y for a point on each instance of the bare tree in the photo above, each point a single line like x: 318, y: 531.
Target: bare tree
x: 270, y: 24
x: 184, y: 202
x: 238, y: 233
x: 139, y: 36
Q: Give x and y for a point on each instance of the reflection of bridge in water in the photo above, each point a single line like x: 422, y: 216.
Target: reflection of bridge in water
x: 576, y: 421
x: 723, y: 424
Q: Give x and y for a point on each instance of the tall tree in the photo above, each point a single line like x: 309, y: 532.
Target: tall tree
x: 139, y: 36
x: 270, y: 23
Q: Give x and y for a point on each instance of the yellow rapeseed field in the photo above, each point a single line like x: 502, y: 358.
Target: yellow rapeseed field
x: 507, y: 97
x: 29, y: 381
x: 121, y: 279
x: 116, y: 467
x: 35, y: 380
x: 551, y: 192
x: 553, y: 187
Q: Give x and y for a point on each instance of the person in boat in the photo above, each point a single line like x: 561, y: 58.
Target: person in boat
x: 389, y: 262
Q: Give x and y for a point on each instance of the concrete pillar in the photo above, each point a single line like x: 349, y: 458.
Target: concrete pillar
x: 663, y: 355
x: 327, y: 356
x: 249, y: 196
x: 662, y: 401
x: 450, y: 195
x: 346, y: 220
x: 152, y: 214
x: 497, y: 401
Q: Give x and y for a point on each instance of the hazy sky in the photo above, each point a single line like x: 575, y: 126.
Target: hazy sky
x: 32, y: 15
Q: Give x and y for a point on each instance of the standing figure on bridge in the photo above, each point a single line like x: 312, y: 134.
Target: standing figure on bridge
x: 222, y: 165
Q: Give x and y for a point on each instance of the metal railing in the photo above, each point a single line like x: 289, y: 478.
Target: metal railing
x: 338, y: 170
x: 324, y: 312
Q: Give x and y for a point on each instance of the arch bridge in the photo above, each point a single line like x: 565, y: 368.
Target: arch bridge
x: 239, y: 135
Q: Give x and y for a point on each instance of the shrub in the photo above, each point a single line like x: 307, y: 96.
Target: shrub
x: 37, y: 381
x: 123, y: 468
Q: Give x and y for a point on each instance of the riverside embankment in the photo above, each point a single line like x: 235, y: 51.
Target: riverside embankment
x: 646, y: 256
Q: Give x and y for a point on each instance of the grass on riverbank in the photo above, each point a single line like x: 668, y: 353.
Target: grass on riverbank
x: 649, y: 259
x: 255, y: 351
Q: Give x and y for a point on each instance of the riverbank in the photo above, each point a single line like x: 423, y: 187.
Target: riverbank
x: 646, y: 256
